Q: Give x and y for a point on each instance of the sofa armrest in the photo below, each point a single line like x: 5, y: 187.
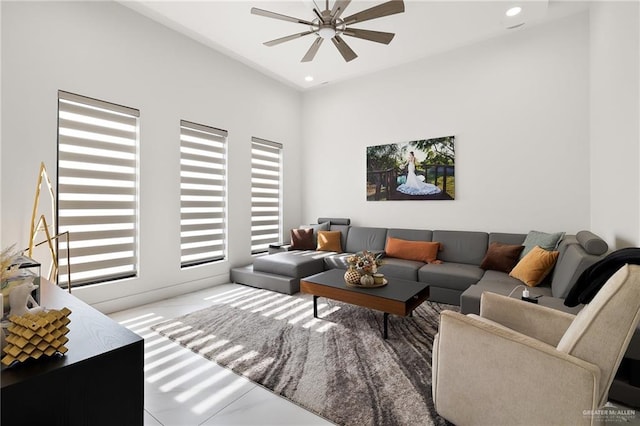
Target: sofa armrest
x: 539, y: 322
x: 476, y: 363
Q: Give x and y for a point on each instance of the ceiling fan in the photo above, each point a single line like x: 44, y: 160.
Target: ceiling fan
x: 328, y: 24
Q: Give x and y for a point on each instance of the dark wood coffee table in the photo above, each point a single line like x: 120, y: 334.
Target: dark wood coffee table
x: 398, y: 297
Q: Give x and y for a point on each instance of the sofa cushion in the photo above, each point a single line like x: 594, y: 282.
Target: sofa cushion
x: 336, y: 261
x: 363, y: 238
x: 500, y: 283
x: 400, y: 268
x: 419, y: 251
x: 457, y: 276
x: 506, y: 238
x: 302, y: 239
x: 410, y: 234
x: 535, y: 266
x: 541, y: 239
x: 497, y: 279
x: 461, y: 246
x: 329, y: 241
x: 501, y: 257
x: 295, y: 264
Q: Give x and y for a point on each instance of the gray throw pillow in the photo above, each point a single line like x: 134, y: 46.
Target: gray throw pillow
x: 544, y: 240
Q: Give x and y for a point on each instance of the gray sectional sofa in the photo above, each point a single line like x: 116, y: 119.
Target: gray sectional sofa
x: 458, y: 280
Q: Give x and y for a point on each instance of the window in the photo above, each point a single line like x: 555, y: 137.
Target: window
x: 97, y: 189
x: 266, y: 194
x: 202, y: 193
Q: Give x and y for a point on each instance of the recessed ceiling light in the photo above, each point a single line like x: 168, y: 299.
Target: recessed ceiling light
x: 513, y: 11
x: 308, y: 78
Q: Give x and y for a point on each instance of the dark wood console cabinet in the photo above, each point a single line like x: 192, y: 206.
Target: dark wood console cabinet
x: 100, y: 381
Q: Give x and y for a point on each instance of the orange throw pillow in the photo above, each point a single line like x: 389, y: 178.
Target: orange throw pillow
x: 329, y: 241
x: 420, y: 251
x: 534, y: 266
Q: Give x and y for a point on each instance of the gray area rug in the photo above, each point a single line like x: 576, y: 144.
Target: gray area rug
x: 337, y: 366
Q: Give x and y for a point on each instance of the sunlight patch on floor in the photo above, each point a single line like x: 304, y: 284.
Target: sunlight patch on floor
x: 246, y: 357
x: 184, y: 378
x: 308, y: 306
x: 161, y: 361
x: 227, y: 353
x: 150, y: 354
x: 307, y: 314
x: 234, y: 294
x: 200, y: 341
x: 203, y: 385
x: 168, y: 326
x: 283, y: 307
x: 189, y: 335
x: 177, y: 330
x: 260, y: 297
x: 151, y: 339
x: 171, y: 369
x: 218, y: 396
x: 272, y: 304
x: 127, y: 323
x: 227, y: 293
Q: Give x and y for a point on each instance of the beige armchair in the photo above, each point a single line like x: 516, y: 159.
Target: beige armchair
x: 523, y: 364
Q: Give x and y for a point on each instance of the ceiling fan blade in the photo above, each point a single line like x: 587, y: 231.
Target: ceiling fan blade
x: 377, y: 36
x: 385, y: 9
x: 311, y: 53
x: 287, y: 38
x: 318, y: 14
x: 261, y: 12
x: 344, y: 49
x: 339, y: 7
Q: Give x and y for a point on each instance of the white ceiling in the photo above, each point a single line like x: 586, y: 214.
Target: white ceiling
x: 424, y: 29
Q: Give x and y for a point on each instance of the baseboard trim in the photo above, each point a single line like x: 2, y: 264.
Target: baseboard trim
x: 155, y: 295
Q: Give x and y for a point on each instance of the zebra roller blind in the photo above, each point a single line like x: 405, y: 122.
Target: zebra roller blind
x: 97, y: 189
x: 202, y: 193
x: 266, y: 194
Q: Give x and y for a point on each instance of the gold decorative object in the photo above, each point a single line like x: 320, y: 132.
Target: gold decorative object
x: 36, y: 335
x: 42, y: 225
x: 352, y: 276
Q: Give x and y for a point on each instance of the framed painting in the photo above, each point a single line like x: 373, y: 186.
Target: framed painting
x: 416, y: 170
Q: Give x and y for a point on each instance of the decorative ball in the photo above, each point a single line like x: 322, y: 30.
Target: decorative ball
x: 352, y: 276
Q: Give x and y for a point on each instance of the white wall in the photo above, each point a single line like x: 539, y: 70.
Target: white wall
x: 106, y: 51
x: 615, y: 122
x: 519, y: 108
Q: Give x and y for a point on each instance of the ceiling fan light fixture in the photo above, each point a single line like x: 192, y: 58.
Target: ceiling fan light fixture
x: 327, y: 32
x: 513, y: 11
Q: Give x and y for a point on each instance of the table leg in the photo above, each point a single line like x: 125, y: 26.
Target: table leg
x: 315, y: 306
x: 386, y: 321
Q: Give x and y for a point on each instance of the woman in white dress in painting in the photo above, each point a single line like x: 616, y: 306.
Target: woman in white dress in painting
x: 414, y: 186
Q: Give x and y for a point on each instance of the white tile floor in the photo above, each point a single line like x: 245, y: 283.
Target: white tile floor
x: 184, y: 389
